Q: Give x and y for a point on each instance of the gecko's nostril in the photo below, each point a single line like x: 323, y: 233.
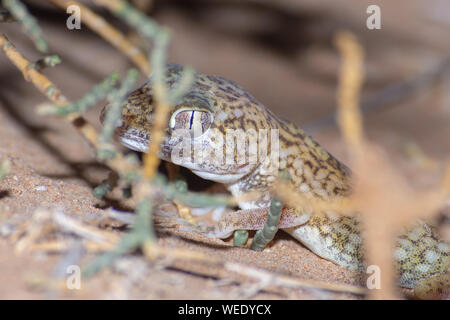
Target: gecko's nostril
x: 103, y: 113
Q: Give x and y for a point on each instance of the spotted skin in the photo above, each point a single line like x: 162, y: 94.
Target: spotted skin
x: 313, y: 171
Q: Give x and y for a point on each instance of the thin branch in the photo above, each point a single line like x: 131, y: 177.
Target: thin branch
x: 29, y: 24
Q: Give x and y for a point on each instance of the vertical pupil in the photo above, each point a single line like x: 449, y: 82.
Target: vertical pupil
x: 191, y: 120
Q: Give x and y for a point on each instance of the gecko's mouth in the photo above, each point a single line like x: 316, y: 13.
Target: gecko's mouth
x: 133, y: 142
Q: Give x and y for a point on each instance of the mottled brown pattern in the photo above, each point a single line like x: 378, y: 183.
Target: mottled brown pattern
x: 313, y: 171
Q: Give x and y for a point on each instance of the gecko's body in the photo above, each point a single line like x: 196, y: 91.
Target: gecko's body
x: 216, y: 105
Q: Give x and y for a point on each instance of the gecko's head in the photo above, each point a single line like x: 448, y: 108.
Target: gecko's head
x: 204, y: 125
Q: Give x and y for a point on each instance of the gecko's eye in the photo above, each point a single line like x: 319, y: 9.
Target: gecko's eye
x: 195, y: 121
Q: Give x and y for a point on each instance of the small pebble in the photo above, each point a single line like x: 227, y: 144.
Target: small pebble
x: 41, y: 188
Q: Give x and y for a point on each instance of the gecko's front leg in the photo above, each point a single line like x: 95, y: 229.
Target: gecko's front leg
x: 250, y: 219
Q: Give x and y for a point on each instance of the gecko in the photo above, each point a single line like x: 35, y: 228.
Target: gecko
x: 214, y: 107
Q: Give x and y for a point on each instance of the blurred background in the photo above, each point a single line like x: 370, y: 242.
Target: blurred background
x: 281, y: 51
